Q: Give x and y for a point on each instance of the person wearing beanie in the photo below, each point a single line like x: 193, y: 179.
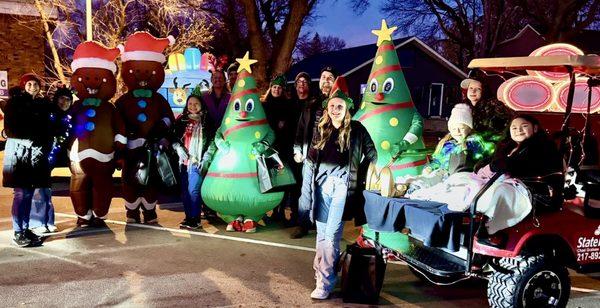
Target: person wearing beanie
x: 27, y: 117
x: 232, y: 75
x: 330, y: 187
x: 459, y: 151
x: 304, y: 101
x: 41, y: 218
x: 282, y: 115
x: 305, y: 131
x: 326, y: 79
x: 461, y: 148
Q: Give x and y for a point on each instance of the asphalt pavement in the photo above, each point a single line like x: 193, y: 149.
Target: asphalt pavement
x: 163, y: 266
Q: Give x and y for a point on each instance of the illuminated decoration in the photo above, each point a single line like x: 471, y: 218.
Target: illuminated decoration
x: 580, y: 97
x: 193, y: 58
x: 230, y: 187
x: 176, y: 62
x: 527, y: 93
x: 548, y: 91
x: 559, y: 49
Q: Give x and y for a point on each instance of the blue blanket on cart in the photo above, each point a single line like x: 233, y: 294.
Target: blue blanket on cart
x: 429, y: 221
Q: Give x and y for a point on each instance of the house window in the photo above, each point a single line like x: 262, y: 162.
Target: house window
x: 436, y: 96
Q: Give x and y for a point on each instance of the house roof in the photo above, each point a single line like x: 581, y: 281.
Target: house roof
x: 25, y: 8
x: 348, y: 60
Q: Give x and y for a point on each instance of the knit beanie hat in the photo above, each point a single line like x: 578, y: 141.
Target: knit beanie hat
x: 302, y: 75
x: 461, y: 114
x: 330, y: 69
x: 278, y: 80
x: 27, y: 77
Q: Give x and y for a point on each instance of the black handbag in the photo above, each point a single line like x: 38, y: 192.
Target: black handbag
x: 271, y: 177
x: 363, y: 270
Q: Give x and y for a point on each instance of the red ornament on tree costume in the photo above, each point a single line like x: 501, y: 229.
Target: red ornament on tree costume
x: 146, y: 113
x: 98, y: 130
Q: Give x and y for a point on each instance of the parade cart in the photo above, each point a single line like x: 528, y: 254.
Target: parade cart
x: 528, y: 267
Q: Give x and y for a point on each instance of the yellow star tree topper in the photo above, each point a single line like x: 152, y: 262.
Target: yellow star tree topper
x: 385, y: 33
x: 245, y: 63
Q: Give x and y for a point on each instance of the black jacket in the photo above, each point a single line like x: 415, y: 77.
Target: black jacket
x: 28, y: 124
x: 282, y: 115
x: 361, y: 145
x: 307, y: 124
x: 537, y: 162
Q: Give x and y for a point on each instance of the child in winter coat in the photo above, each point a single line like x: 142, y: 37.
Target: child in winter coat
x: 41, y: 219
x: 458, y: 151
x: 193, y: 130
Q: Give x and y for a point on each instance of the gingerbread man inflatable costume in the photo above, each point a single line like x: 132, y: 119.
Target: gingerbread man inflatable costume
x: 98, y: 132
x: 147, y: 116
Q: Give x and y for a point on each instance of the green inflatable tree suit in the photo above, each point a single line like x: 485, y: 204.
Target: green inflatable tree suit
x: 389, y: 115
x: 231, y: 185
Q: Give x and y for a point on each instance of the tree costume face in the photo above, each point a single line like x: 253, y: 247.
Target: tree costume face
x: 388, y: 113
x: 231, y: 185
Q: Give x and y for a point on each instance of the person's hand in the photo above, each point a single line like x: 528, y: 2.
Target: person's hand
x: 280, y: 167
x: 259, y: 148
x: 222, y: 145
x: 399, y: 147
x: 298, y: 157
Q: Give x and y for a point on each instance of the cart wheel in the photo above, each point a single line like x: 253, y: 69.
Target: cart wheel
x: 530, y: 281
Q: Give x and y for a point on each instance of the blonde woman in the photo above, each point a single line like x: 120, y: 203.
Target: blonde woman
x: 331, y: 188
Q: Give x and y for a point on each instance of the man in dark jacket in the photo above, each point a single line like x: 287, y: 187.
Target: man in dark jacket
x: 307, y: 126
x: 26, y: 123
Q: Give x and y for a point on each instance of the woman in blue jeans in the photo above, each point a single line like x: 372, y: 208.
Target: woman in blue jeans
x: 26, y: 122
x: 331, y: 186
x: 193, y: 130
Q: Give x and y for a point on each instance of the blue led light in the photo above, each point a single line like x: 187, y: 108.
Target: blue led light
x: 142, y: 117
x: 142, y: 104
x: 90, y: 113
x: 90, y: 126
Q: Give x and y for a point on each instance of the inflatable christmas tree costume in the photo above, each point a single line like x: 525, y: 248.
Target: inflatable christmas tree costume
x: 231, y: 185
x: 389, y: 115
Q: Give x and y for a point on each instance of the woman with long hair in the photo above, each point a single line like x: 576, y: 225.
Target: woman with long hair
x: 331, y: 186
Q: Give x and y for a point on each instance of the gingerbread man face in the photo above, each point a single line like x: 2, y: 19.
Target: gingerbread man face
x: 94, y: 83
x: 147, y: 75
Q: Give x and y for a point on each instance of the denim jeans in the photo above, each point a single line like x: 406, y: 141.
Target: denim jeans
x: 330, y: 197
x: 190, y: 191
x: 21, y: 208
x: 42, y: 209
x: 303, y: 208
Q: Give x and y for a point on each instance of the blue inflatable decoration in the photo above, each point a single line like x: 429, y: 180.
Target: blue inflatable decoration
x: 192, y: 58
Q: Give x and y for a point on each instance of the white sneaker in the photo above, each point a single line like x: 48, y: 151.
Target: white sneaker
x: 319, y: 293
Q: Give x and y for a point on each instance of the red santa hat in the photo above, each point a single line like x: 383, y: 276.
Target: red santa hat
x: 95, y: 55
x: 143, y: 46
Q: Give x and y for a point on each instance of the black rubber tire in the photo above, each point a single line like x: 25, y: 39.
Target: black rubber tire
x: 508, y: 288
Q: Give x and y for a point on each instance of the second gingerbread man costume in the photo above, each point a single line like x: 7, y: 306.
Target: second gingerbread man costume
x: 147, y: 115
